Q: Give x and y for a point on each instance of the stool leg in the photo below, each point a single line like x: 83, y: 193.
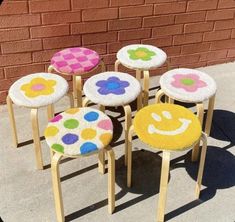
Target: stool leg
x: 79, y: 90
x: 201, y: 165
x: 127, y: 110
x: 102, y: 65
x: 200, y: 114
x: 139, y: 98
x: 75, y: 92
x: 70, y: 95
x: 210, y: 115
x: 146, y: 88
x: 36, y: 138
x: 129, y: 156
x: 50, y: 112
x: 85, y: 102
x: 12, y: 121
x: 50, y: 69
x: 158, y: 96
x: 163, y: 186
x: 101, y: 161
x: 111, y: 180
x: 57, y: 187
x: 117, y: 63
x: 170, y: 100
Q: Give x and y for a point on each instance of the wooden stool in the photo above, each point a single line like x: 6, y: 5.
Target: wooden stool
x: 76, y: 62
x: 142, y: 59
x: 113, y: 89
x: 35, y: 91
x: 76, y: 133
x: 190, y: 86
x: 169, y: 128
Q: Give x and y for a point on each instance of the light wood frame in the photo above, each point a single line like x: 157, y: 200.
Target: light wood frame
x: 165, y: 172
x: 56, y: 183
x: 200, y: 113
x: 77, y: 83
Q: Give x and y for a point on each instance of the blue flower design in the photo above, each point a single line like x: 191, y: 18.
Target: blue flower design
x: 113, y: 85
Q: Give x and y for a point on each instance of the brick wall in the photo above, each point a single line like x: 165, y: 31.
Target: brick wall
x: 194, y: 33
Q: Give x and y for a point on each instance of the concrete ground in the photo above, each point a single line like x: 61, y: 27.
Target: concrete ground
x: 26, y: 193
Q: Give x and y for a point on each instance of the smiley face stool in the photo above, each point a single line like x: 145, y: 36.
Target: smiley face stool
x: 113, y: 89
x: 79, y: 132
x: 169, y: 128
x: 190, y: 86
x: 141, y: 58
x: 77, y: 62
x: 35, y: 91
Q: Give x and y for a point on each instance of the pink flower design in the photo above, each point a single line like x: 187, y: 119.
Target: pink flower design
x: 188, y: 82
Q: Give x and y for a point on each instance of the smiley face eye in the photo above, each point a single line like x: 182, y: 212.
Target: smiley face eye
x: 167, y: 114
x: 156, y: 117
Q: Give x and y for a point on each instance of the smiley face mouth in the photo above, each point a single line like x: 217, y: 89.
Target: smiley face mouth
x: 185, y: 124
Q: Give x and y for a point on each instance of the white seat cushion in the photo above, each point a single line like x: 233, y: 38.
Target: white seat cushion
x: 112, y: 88
x: 37, y: 90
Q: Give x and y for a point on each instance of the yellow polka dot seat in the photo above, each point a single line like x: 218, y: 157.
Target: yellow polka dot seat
x: 79, y: 132
x: 167, y: 127
x: 35, y: 91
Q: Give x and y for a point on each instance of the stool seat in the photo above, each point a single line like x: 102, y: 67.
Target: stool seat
x: 167, y: 127
x: 37, y: 90
x: 79, y: 131
x: 141, y: 57
x: 112, y: 88
x: 188, y: 85
x: 75, y: 61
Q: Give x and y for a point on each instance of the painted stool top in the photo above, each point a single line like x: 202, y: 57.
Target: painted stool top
x: 142, y: 57
x: 167, y: 127
x: 79, y: 131
x: 188, y: 85
x: 38, y: 89
x: 112, y: 88
x: 75, y: 61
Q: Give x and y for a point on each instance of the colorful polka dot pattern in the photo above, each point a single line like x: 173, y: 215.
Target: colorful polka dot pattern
x: 79, y: 131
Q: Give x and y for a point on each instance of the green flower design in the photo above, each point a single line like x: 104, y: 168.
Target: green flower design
x: 141, y: 53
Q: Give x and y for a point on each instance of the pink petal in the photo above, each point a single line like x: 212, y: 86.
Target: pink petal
x: 105, y: 124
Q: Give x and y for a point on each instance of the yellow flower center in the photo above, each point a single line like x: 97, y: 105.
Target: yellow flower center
x: 141, y: 54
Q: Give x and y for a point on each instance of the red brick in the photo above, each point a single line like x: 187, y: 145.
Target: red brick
x: 231, y: 53
x: 19, y: 21
x: 190, y: 17
x: 227, y: 24
x: 44, y: 56
x: 60, y: 17
x: 49, y: 31
x: 168, y: 30
x: 125, y: 2
x: 13, y: 34
x: 214, y: 55
x: 187, y: 38
x: 11, y: 8
x: 15, y: 71
x: 169, y: 8
x: 3, y: 96
x: 200, y: 5
x: 134, y: 34
x: 21, y: 46
x: 159, y: 42
x: 159, y: 1
x: 198, y: 27
x: 89, y: 27
x: 158, y: 21
x: 99, y: 14
x: 15, y: 59
x: 109, y: 59
x: 233, y: 33
x: 195, y: 48
x: 219, y: 61
x: 133, y: 11
x: 124, y: 24
x: 220, y: 15
x: 172, y: 50
x: 223, y: 44
x: 115, y: 46
x: 83, y: 4
x: 1, y: 74
x: 48, y: 5
x: 185, y: 59
x: 99, y: 38
x: 61, y: 42
x: 195, y: 65
x: 217, y: 35
x: 226, y: 4
x: 99, y: 48
x: 6, y: 83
